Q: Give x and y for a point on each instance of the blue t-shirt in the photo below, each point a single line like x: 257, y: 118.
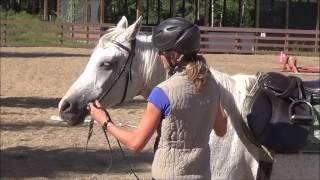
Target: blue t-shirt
x: 158, y: 98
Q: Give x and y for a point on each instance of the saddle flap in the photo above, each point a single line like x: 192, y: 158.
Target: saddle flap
x: 260, y: 113
x: 284, y: 86
x: 276, y: 82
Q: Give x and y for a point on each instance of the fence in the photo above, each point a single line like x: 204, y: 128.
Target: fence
x: 213, y: 39
x: 42, y: 33
x: 259, y: 40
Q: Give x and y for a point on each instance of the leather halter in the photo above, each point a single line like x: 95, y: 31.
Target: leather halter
x: 103, y: 95
x: 123, y: 68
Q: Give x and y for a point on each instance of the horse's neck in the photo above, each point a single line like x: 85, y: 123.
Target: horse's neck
x: 151, y: 67
x: 227, y: 88
x: 233, y: 91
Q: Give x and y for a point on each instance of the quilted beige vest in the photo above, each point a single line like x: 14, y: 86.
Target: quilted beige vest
x: 183, y: 151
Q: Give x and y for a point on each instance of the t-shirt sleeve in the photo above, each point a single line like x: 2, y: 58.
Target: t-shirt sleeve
x: 158, y: 98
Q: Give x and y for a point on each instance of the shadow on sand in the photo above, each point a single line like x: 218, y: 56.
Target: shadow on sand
x: 32, y: 126
x: 27, y: 162
x: 39, y: 54
x: 29, y: 102
x: 39, y: 102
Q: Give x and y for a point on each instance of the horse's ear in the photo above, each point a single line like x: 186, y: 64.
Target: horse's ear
x: 122, y: 24
x: 131, y: 32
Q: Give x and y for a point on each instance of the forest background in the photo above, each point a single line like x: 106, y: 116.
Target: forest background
x: 226, y: 13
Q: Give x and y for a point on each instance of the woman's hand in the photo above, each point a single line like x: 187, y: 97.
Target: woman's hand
x: 98, y: 113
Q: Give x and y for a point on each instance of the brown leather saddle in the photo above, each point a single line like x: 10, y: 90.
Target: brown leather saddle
x: 278, y: 112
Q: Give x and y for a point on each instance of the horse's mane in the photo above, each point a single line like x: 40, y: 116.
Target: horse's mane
x: 147, y: 52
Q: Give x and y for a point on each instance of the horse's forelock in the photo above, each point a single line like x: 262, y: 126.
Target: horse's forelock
x: 105, y: 40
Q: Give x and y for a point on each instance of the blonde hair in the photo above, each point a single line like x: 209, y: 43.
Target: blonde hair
x: 197, y: 71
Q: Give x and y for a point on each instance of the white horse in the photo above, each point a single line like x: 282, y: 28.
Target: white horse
x: 233, y: 156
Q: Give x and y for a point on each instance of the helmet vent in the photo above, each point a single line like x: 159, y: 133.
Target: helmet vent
x: 172, y: 28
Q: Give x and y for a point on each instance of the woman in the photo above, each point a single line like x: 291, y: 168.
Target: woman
x: 183, y: 109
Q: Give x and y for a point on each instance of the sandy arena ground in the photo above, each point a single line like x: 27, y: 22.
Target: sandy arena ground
x: 33, y: 79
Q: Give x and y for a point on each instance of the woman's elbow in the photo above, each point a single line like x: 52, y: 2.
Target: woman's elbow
x: 220, y: 127
x: 220, y: 132
x: 136, y: 147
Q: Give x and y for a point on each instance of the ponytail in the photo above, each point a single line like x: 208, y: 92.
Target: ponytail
x: 197, y: 71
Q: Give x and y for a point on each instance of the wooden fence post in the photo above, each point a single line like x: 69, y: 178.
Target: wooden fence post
x: 316, y: 43
x: 72, y: 29
x: 286, y: 49
x: 87, y: 33
x: 4, y: 37
x: 254, y: 42
x: 61, y: 33
x: 237, y: 41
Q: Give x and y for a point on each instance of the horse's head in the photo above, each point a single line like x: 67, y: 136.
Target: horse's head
x: 105, y: 71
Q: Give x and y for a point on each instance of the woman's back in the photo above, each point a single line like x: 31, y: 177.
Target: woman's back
x: 183, y: 150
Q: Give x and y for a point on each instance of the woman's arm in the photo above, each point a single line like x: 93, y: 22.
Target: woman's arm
x: 134, y: 139
x: 220, y: 123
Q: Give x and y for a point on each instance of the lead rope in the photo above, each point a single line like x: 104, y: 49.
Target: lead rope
x: 123, y: 154
x: 109, y: 145
x: 91, y: 124
x: 121, y: 149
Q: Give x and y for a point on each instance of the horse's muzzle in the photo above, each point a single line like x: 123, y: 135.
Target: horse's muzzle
x: 72, y: 113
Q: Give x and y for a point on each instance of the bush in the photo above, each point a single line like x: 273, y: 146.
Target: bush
x: 12, y: 15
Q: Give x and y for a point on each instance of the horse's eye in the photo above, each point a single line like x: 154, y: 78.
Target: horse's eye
x: 106, y: 65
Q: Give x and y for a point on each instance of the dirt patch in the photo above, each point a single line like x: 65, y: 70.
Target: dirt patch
x: 32, y: 146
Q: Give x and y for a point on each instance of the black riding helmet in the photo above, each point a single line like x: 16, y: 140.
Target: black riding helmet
x: 177, y: 34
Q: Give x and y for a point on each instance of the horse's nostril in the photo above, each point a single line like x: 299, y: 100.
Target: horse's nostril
x: 66, y: 107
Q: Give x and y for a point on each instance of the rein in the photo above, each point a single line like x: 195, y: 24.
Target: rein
x: 103, y: 95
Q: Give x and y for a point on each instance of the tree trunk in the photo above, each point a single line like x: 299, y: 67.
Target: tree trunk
x: 239, y: 12
x: 222, y: 19
x: 138, y: 9
x: 45, y: 10
x: 318, y: 16
x: 257, y: 12
x: 206, y: 13
x: 102, y: 4
x: 126, y: 7
x: 88, y: 11
x: 212, y: 12
x: 183, y: 8
x: 287, y: 14
x: 147, y: 12
x: 242, y: 12
x: 159, y: 11
x: 172, y: 8
x: 33, y: 7
x: 197, y: 11
x: 58, y: 7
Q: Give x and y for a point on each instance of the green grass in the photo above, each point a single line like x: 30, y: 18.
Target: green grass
x: 12, y: 15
